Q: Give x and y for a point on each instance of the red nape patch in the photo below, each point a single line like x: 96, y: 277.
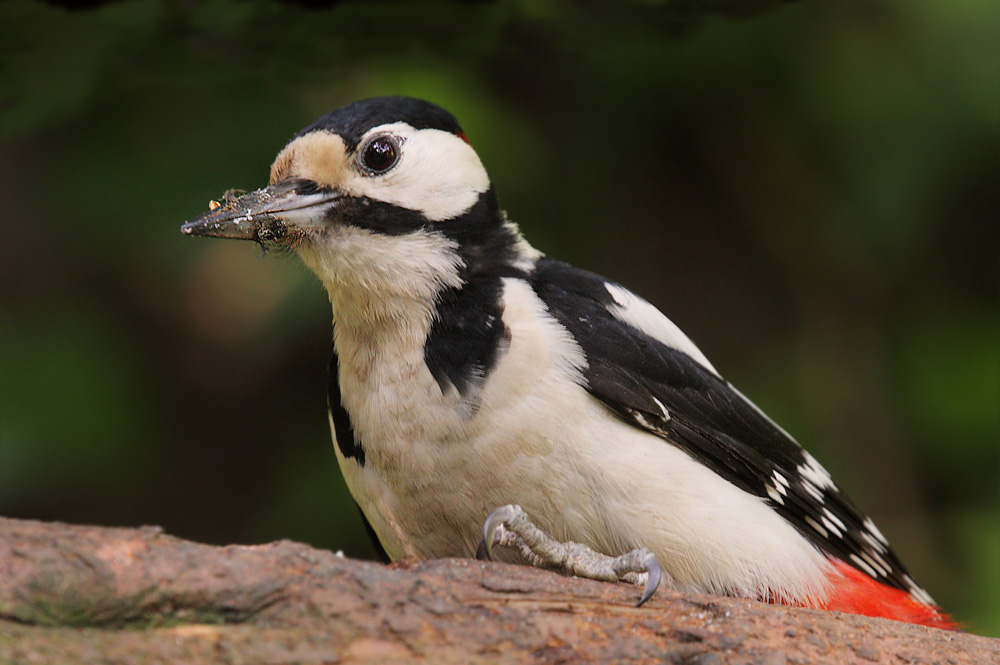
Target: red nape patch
x: 853, y: 591
x: 465, y: 138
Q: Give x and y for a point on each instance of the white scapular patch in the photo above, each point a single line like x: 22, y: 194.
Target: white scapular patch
x: 641, y: 315
x: 438, y: 174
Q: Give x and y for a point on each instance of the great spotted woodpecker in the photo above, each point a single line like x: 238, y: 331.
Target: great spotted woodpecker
x: 471, y: 372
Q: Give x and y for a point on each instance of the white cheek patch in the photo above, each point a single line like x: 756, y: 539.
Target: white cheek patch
x: 438, y: 174
x: 636, y: 312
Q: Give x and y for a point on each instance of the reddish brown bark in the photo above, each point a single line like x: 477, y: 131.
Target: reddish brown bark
x: 79, y: 594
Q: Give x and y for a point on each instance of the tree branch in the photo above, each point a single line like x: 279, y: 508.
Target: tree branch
x: 73, y: 593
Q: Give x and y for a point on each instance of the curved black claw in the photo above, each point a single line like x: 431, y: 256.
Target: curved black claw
x: 493, y: 522
x: 653, y: 581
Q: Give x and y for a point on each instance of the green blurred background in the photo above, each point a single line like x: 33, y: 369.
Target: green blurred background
x: 808, y: 189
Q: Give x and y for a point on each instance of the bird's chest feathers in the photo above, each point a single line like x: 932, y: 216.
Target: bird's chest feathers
x: 389, y: 393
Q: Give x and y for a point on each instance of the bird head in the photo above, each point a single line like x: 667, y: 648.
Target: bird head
x: 383, y: 195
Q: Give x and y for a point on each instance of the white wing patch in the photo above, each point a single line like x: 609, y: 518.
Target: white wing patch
x: 641, y: 315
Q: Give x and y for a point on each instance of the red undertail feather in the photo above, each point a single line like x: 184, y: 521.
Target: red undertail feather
x: 853, y: 591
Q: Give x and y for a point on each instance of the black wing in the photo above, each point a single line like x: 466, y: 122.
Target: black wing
x: 638, y: 377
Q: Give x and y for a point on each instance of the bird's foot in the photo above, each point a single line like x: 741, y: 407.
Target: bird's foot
x: 510, y: 526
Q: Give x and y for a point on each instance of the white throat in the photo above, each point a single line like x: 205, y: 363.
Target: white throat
x: 382, y: 288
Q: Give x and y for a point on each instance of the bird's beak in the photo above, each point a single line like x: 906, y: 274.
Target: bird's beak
x: 274, y: 213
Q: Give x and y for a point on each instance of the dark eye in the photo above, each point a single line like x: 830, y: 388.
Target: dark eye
x: 380, y: 154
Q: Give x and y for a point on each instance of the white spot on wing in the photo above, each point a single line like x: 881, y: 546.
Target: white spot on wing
x: 836, y: 520
x: 663, y: 409
x: 872, y: 529
x: 640, y: 418
x: 638, y: 313
x: 646, y: 423
x: 812, y: 490
x: 882, y: 572
x: 816, y: 526
x: 830, y: 526
x: 774, y: 494
x: 812, y: 471
x: 863, y: 566
x: 872, y: 542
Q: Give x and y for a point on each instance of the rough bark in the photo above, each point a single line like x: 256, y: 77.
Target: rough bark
x: 76, y: 594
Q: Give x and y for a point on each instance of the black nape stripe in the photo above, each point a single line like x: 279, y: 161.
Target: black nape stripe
x: 351, y: 122
x: 343, y: 430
